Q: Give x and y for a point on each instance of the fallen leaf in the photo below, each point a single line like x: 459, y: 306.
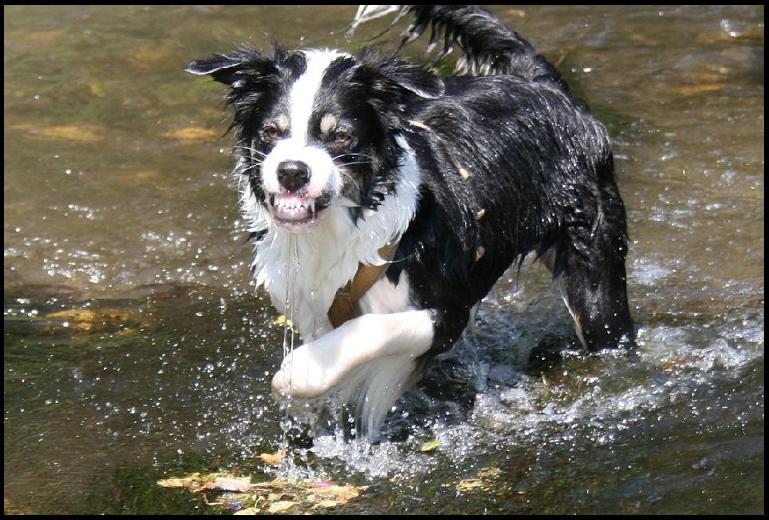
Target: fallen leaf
x: 326, y: 504
x: 273, y: 459
x: 174, y: 482
x: 278, y: 507
x: 89, y: 320
x: 430, y: 446
x: 192, y: 483
x: 235, y: 484
x: 489, y: 473
x: 469, y: 484
x: 275, y: 496
x: 96, y: 90
x: 75, y: 133
x: 483, y: 482
x: 699, y: 89
x: 249, y: 511
x: 282, y: 320
x: 33, y: 37
x: 146, y: 175
x: 342, y: 494
x: 192, y: 133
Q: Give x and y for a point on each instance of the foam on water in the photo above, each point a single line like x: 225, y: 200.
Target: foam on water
x: 595, y: 395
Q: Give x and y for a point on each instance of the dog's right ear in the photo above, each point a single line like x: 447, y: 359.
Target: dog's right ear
x: 223, y: 68
x: 234, y: 69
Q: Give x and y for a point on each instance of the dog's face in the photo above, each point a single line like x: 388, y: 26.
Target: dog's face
x: 317, y: 128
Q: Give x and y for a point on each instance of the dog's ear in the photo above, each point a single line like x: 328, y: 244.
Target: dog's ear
x: 236, y: 68
x: 411, y: 78
x: 221, y: 67
x: 391, y: 77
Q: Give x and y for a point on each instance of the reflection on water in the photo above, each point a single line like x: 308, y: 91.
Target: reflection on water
x: 135, y: 349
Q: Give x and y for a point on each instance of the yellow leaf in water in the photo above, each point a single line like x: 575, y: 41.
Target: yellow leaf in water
x: 76, y: 133
x: 489, y: 473
x: 72, y: 314
x: 275, y: 496
x: 235, y: 484
x: 174, y: 482
x: 33, y: 37
x: 484, y: 481
x: 282, y: 320
x: 96, y: 89
x: 249, y: 511
x: 340, y: 494
x: 192, y: 482
x: 192, y: 133
x: 273, y: 459
x: 278, y: 507
x: 326, y: 504
x: 90, y: 320
x: 430, y: 446
x: 469, y: 484
x: 75, y: 319
x: 694, y: 90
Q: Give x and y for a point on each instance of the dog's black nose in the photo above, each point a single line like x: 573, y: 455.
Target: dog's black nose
x: 292, y: 175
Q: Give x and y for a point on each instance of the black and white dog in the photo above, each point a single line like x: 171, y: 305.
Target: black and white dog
x: 353, y: 161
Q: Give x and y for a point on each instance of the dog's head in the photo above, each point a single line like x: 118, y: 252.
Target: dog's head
x: 317, y: 128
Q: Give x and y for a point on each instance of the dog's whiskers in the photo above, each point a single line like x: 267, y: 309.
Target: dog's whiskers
x: 352, y: 163
x: 352, y: 153
x: 250, y: 149
x: 244, y: 169
x: 350, y: 178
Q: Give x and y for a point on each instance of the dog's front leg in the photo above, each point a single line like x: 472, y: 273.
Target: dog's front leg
x: 316, y: 367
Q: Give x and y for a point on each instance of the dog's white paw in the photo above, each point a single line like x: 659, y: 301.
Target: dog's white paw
x: 315, y: 368
x: 303, y: 374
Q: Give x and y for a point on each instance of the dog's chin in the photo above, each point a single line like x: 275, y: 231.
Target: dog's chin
x: 296, y: 213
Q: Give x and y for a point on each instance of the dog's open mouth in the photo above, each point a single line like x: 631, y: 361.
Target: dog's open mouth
x: 292, y: 209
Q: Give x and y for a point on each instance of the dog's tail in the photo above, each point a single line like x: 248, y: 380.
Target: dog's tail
x: 488, y: 46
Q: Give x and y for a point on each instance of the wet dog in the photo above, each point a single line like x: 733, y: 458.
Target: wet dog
x: 386, y: 200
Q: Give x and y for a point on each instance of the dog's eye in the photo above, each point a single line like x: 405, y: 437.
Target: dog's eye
x: 271, y: 132
x: 341, y: 137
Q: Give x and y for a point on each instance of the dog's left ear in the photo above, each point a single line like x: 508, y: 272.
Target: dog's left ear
x: 412, y: 78
x: 389, y: 77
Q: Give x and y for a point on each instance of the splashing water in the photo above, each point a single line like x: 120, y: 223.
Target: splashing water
x: 292, y: 268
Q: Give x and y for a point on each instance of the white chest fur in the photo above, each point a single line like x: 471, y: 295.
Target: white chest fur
x: 384, y: 297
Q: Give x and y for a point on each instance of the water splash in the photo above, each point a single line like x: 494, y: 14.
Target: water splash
x: 287, y: 422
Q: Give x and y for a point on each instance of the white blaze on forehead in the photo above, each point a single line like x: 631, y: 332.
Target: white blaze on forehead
x: 304, y: 90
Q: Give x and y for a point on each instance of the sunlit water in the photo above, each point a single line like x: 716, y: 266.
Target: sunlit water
x: 118, y: 204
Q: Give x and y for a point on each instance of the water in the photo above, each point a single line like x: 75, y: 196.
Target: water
x: 136, y: 349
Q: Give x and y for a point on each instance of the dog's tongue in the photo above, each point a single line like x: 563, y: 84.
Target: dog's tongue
x: 293, y: 207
